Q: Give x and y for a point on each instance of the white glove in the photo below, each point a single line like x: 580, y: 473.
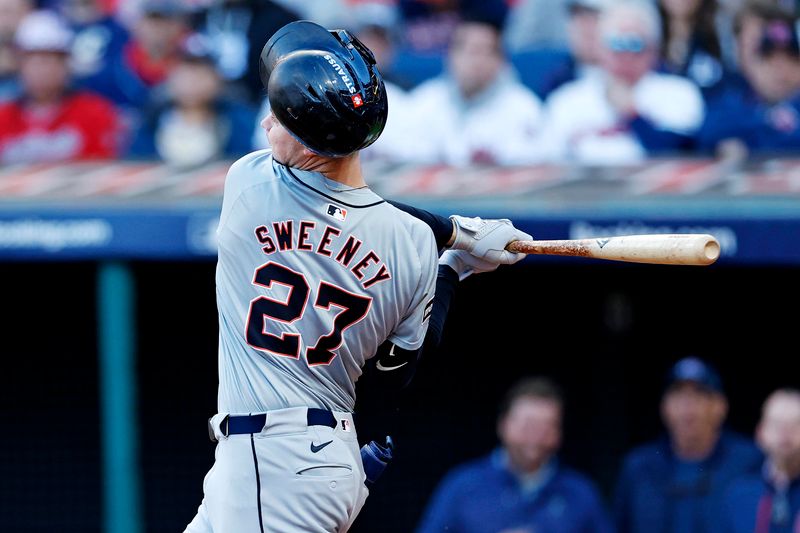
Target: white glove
x: 487, y: 239
x: 465, y: 264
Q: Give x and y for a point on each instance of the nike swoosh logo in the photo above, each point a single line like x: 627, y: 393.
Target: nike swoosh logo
x: 315, y: 449
x: 379, y: 366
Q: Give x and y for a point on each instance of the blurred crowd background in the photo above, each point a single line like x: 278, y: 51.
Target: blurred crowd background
x: 506, y: 82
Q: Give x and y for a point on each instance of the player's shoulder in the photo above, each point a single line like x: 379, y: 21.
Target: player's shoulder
x: 251, y: 169
x: 416, y: 230
x: 252, y: 162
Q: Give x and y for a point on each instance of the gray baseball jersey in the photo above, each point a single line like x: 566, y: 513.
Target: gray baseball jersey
x: 311, y: 278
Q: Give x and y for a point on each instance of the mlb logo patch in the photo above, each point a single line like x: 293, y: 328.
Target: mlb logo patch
x: 345, y: 425
x: 357, y: 101
x: 337, y: 212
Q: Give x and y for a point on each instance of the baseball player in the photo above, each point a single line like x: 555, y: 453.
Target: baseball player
x: 317, y: 275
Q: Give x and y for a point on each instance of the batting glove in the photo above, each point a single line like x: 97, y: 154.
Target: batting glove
x: 487, y: 239
x: 465, y: 264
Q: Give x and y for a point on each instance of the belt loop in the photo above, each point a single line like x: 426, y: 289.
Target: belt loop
x: 226, y: 424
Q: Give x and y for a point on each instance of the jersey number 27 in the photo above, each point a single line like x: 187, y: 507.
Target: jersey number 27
x: 353, y: 307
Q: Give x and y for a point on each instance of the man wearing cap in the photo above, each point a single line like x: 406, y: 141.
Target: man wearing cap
x: 521, y: 487
x: 759, y: 112
x: 49, y: 122
x: 677, y: 484
x: 770, y: 502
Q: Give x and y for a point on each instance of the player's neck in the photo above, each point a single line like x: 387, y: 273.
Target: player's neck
x: 344, y: 170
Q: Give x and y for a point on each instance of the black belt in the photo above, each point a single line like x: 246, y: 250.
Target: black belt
x: 242, y: 424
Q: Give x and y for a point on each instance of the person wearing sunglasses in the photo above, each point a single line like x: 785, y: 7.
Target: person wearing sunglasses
x: 627, y: 112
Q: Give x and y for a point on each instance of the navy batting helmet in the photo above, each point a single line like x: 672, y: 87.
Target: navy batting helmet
x: 324, y: 87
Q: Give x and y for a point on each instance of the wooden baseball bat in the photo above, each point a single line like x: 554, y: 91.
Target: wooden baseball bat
x: 664, y: 249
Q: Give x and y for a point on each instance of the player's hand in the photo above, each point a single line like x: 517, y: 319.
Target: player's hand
x: 487, y: 239
x: 465, y: 263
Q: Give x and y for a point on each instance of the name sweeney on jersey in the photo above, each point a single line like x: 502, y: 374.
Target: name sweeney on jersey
x: 367, y: 267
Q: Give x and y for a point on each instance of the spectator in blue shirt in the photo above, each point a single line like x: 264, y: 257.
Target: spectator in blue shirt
x: 770, y: 503
x: 691, y: 44
x: 759, y: 112
x: 96, y: 50
x: 520, y: 487
x: 677, y: 484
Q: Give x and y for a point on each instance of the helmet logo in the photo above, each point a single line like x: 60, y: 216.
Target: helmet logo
x: 357, y: 101
x: 342, y: 74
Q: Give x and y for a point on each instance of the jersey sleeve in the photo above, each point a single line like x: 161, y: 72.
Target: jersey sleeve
x: 241, y: 175
x: 410, y: 333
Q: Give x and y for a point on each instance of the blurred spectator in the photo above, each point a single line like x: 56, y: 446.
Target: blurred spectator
x: 726, y: 12
x: 237, y: 31
x: 375, y: 24
x: 691, y: 45
x: 749, y: 23
x: 157, y: 38
x: 478, y: 112
x: 428, y: 24
x: 584, y: 50
x: 770, y: 503
x: 536, y: 24
x: 677, y: 484
x: 628, y: 110
x: 326, y: 13
x: 49, y: 122
x: 96, y: 50
x: 196, y: 125
x: 520, y: 487
x: 761, y: 112
x: 11, y: 13
x: 748, y: 27
x: 9, y: 80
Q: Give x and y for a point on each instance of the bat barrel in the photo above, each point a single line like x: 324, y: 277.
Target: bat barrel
x: 668, y: 249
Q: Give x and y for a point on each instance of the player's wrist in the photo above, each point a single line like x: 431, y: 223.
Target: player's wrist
x: 452, y: 235
x: 455, y: 261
